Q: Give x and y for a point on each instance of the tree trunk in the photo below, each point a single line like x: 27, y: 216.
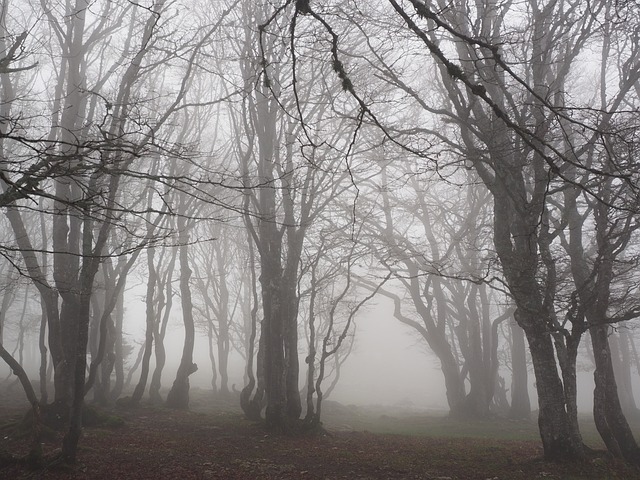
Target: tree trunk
x: 607, y: 411
x: 72, y: 437
x: 150, y: 325
x: 290, y: 338
x: 212, y: 359
x: 252, y: 407
x: 520, y: 402
x: 275, y: 414
x: 165, y: 301
x: 559, y: 440
x: 622, y: 362
x: 478, y: 400
x: 118, y: 349
x: 178, y: 396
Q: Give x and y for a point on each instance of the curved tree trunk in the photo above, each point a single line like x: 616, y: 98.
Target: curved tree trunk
x: 178, y: 396
x: 252, y: 407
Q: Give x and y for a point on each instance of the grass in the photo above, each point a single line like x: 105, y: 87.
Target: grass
x: 439, y: 424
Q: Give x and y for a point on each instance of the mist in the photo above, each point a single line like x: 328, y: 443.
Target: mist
x: 297, y: 213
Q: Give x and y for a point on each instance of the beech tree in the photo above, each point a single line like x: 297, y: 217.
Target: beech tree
x: 289, y: 179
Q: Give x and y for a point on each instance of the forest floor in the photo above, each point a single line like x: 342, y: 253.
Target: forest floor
x: 214, y: 441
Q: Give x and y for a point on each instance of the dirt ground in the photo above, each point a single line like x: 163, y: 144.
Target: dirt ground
x: 157, y: 443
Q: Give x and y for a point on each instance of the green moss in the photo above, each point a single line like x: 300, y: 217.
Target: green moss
x: 94, y: 417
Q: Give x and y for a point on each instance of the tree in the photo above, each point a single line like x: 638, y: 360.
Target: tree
x: 288, y: 181
x: 94, y: 144
x: 503, y: 96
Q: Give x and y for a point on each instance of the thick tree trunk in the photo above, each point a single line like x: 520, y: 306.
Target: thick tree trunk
x: 72, y: 437
x: 516, y: 239
x: 559, y: 440
x: 520, y: 402
x: 567, y: 353
x: 223, y: 358
x: 161, y: 359
x: 275, y: 414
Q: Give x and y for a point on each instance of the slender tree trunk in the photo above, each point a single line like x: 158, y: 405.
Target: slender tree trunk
x: 150, y: 325
x: 212, y: 358
x: 44, y: 355
x: 253, y: 406
x: 223, y: 325
x: 118, y: 349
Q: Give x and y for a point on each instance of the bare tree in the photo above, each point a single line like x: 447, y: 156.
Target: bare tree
x: 503, y: 101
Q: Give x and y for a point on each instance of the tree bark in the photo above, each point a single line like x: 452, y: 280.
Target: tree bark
x: 559, y: 439
x: 178, y: 396
x: 607, y: 411
x: 150, y: 315
x: 520, y: 402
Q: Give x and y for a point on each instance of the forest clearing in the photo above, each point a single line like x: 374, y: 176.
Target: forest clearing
x: 215, y: 441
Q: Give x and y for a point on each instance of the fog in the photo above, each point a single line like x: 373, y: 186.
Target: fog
x: 389, y: 366
x: 423, y: 200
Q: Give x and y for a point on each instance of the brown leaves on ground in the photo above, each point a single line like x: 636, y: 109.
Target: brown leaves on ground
x: 157, y: 443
